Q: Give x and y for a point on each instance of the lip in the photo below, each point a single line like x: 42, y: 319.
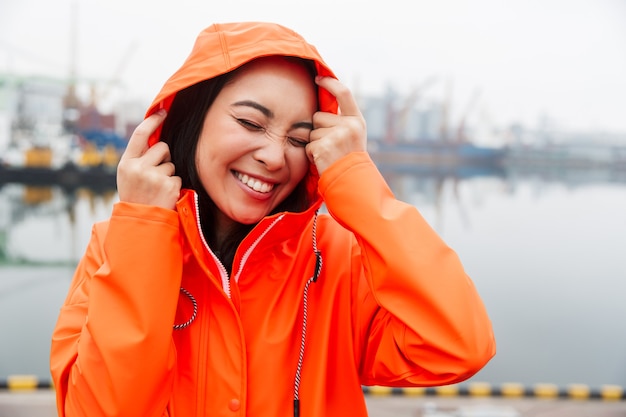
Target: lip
x: 262, y: 187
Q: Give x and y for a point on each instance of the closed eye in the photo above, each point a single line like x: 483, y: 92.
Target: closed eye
x: 249, y: 125
x: 297, y: 141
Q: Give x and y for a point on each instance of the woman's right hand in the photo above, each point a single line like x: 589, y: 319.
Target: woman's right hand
x: 145, y: 174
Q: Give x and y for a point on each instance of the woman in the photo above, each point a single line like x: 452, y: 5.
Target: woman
x: 215, y: 288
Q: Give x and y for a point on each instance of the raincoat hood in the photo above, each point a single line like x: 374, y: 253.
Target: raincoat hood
x: 221, y: 48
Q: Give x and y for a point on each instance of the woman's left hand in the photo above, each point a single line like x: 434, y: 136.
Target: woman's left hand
x: 336, y: 135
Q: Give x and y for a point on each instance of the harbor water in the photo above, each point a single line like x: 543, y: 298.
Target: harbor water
x: 546, y: 252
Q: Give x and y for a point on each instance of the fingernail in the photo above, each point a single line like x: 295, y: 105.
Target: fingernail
x: 161, y: 112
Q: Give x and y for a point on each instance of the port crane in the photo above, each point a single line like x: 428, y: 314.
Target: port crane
x: 397, y: 118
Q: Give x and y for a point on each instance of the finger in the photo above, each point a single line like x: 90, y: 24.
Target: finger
x: 321, y: 119
x: 138, y: 142
x: 347, y: 103
x: 157, y: 154
x: 167, y: 169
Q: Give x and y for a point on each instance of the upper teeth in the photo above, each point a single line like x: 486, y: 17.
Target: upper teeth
x: 255, y: 184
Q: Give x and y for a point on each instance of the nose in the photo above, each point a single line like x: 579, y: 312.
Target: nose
x: 271, y: 153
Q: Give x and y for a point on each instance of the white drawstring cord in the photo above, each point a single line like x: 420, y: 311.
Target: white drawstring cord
x: 305, y: 303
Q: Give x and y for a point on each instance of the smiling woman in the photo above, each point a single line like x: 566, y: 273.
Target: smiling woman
x: 193, y: 298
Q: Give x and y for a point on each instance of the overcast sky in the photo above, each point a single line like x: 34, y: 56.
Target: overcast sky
x: 522, y: 58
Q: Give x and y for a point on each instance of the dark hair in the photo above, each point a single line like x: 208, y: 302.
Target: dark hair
x: 181, y: 131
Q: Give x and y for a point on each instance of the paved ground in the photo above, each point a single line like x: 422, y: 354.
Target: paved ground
x: 41, y: 404
x: 27, y: 404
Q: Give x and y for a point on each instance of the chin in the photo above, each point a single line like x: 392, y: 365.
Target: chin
x: 250, y: 213
x: 249, y: 219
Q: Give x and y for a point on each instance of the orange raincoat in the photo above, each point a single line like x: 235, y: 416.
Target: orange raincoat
x: 387, y: 302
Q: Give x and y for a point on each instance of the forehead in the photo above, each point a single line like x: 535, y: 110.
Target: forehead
x: 278, y: 80
x: 288, y: 68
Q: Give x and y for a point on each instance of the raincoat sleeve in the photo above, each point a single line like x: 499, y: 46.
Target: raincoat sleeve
x: 112, y: 351
x: 418, y: 318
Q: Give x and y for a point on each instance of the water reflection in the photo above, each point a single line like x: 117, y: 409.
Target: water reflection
x: 46, y: 225
x: 545, y: 250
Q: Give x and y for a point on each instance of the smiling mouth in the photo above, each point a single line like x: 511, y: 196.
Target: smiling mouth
x: 254, y: 184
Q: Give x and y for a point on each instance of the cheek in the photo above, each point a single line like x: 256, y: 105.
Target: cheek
x: 206, y: 161
x: 200, y: 158
x: 299, y: 164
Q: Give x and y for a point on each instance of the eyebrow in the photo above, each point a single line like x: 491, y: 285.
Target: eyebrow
x: 270, y: 114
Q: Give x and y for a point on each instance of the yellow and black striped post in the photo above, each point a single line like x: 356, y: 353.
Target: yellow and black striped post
x: 509, y: 390
x: 475, y: 389
x: 24, y: 383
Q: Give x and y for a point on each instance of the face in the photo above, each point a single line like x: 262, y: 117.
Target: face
x: 251, y: 151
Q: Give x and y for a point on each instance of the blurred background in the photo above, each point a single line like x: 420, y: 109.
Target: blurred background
x: 504, y: 123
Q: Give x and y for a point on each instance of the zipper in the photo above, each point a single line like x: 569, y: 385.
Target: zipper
x: 254, y: 244
x: 226, y: 286
x: 223, y: 273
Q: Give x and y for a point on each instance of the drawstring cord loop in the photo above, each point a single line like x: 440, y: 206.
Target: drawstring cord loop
x: 195, y: 310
